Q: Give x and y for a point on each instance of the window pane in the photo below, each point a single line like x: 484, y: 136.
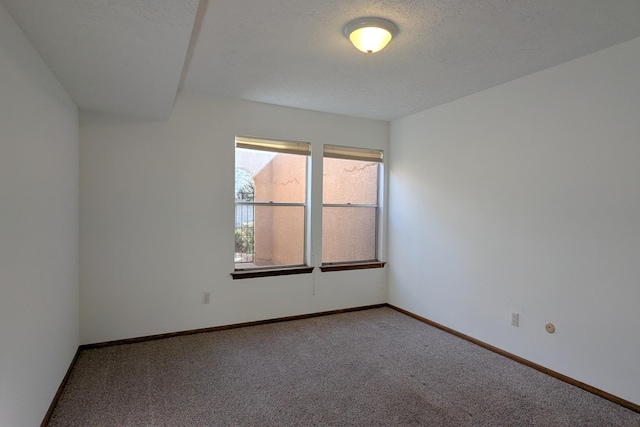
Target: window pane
x: 349, y: 181
x: 348, y: 234
x: 244, y: 251
x: 269, y: 236
x: 270, y: 177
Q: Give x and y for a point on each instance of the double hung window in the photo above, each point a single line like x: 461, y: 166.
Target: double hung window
x: 350, y: 204
x: 273, y: 209
x: 271, y: 203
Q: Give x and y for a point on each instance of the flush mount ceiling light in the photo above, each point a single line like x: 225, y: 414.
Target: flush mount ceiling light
x: 370, y: 34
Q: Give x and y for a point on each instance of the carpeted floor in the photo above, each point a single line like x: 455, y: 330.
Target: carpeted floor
x: 374, y: 367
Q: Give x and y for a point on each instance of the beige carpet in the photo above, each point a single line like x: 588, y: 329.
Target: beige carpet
x: 374, y: 367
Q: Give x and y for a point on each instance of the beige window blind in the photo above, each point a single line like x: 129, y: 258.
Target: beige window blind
x: 279, y: 146
x: 353, y: 153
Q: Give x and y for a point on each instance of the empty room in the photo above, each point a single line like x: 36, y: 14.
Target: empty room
x: 297, y: 212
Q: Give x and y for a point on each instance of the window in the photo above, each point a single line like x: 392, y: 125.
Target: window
x: 273, y: 208
x: 271, y: 203
x: 350, y: 205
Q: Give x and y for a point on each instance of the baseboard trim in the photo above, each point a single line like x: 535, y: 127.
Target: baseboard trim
x: 224, y: 327
x: 54, y: 402
x: 601, y: 393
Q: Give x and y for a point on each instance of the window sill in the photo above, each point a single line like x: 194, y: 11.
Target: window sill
x: 352, y: 266
x: 250, y: 274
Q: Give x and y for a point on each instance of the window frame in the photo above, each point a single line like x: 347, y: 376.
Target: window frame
x: 360, y: 154
x: 278, y: 146
x: 313, y: 207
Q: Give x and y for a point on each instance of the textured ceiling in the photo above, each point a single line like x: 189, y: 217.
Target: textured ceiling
x: 127, y: 55
x: 120, y: 56
x: 293, y: 52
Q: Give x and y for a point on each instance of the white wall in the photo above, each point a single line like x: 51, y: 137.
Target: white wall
x: 526, y: 198
x: 157, y: 217
x: 38, y: 230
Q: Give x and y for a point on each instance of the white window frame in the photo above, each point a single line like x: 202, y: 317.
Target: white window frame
x: 369, y: 155
x: 287, y: 147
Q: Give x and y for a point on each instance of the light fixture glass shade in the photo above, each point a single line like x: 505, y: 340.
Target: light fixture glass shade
x: 370, y: 35
x: 370, y: 39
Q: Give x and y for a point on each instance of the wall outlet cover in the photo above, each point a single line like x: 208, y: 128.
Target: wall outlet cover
x: 515, y: 318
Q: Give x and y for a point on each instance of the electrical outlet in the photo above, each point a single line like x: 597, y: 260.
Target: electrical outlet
x: 206, y: 297
x: 515, y: 318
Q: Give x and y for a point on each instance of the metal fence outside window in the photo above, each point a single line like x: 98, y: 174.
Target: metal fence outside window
x: 244, y: 234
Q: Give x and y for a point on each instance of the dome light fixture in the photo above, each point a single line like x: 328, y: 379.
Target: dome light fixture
x: 370, y: 35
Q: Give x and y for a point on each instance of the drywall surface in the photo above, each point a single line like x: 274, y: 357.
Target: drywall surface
x: 39, y: 166
x: 525, y: 198
x: 157, y: 220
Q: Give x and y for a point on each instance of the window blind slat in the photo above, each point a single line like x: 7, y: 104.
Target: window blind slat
x: 280, y: 146
x: 353, y: 153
